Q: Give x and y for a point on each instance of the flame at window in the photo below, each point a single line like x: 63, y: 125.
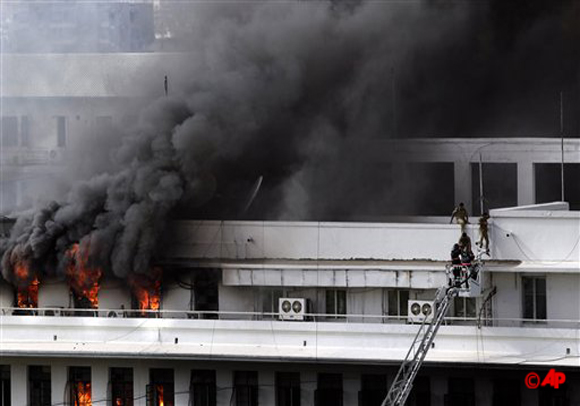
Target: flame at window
x: 147, y: 289
x: 83, y: 394
x: 159, y: 390
x: 83, y: 276
x: 27, y: 285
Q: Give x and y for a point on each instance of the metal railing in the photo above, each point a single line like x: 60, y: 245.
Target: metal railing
x: 258, y: 316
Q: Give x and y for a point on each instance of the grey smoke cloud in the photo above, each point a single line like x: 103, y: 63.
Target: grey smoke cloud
x: 275, y: 89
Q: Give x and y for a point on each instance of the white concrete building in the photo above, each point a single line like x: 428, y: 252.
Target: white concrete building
x: 218, y: 338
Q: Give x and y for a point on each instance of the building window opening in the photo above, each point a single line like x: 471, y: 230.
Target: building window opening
x: 203, y: 388
x: 421, y: 393
x: 205, y: 290
x: 121, y: 384
x: 534, y: 298
x: 506, y: 392
x: 39, y: 385
x: 4, y: 385
x: 335, y: 302
x: 464, y: 307
x: 146, y: 292
x: 500, y: 186
x: 9, y: 132
x: 548, y: 183
x: 61, y: 131
x: 549, y: 396
x: 246, y: 388
x: 461, y: 392
x: 373, y: 390
x: 79, y: 383
x: 287, y: 389
x: 161, y: 389
x: 397, y: 302
x: 329, y: 390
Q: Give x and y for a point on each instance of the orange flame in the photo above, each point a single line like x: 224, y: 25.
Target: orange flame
x: 83, y: 394
x: 147, y: 289
x: 27, y: 285
x: 160, y: 401
x: 118, y: 402
x: 83, y: 278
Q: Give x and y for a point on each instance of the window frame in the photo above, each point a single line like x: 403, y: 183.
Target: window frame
x: 333, y: 309
x: 535, y: 317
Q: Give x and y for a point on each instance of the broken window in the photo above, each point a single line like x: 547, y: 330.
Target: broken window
x: 121, y: 383
x: 161, y: 389
x: 246, y: 388
x: 203, y: 388
x: 79, y: 384
x: 39, y: 385
x: 287, y: 388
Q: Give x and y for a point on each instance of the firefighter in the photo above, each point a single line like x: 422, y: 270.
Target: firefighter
x: 483, y: 233
x: 456, y: 263
x: 465, y: 243
x: 460, y: 215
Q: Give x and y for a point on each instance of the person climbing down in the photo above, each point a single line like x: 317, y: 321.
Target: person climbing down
x: 456, y: 264
x: 460, y: 215
x: 465, y: 243
x: 483, y: 233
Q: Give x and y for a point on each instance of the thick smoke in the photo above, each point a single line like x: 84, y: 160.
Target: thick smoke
x: 277, y: 90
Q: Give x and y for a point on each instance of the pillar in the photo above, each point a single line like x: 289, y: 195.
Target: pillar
x: 267, y: 392
x: 438, y: 383
x: 18, y: 385
x: 58, y: 385
x: 99, y: 382
x: 526, y: 183
x: 462, y: 183
x: 140, y: 382
x: 351, y: 385
x: 308, y: 383
x: 225, y: 385
x: 182, y: 376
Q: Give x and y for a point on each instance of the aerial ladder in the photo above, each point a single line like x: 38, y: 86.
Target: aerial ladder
x: 465, y: 284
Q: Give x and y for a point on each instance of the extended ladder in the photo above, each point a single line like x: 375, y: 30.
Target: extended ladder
x: 403, y: 382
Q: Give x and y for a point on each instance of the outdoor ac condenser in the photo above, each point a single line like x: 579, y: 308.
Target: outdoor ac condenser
x: 419, y: 310
x: 291, y: 308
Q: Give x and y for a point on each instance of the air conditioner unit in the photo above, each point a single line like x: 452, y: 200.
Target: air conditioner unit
x: 419, y: 310
x: 291, y: 308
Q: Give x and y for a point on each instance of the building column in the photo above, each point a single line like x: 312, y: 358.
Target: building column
x: 438, y: 383
x: 267, y: 384
x: 182, y: 376
x: 99, y: 383
x: 225, y: 385
x: 140, y: 382
x: 462, y: 183
x: 308, y: 383
x: 483, y: 391
x: 526, y: 183
x: 58, y: 385
x: 351, y: 386
x: 18, y: 385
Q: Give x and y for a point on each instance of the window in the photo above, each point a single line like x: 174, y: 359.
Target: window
x: 246, y: 388
x: 534, y: 297
x: 461, y: 392
x: 506, y: 392
x: 500, y: 186
x: 161, y: 389
x: 5, y: 384
x: 373, y: 390
x: 397, y: 302
x: 39, y: 385
x: 287, y: 389
x: 421, y: 393
x: 335, y: 302
x: 464, y: 307
x: 206, y: 292
x: 203, y: 388
x: 61, y: 131
x: 9, y: 132
x: 79, y: 383
x: 329, y: 390
x: 548, y: 184
x: 121, y: 383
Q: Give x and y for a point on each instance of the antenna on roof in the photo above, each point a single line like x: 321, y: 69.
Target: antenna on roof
x: 562, y: 140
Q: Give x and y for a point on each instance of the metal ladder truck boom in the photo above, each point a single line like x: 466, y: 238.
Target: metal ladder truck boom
x: 401, y: 387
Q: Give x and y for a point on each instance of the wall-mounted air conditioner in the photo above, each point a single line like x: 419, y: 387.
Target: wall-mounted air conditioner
x: 419, y: 310
x: 291, y: 308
